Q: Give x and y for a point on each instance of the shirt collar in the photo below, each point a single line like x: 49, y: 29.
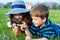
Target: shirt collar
x: 47, y: 23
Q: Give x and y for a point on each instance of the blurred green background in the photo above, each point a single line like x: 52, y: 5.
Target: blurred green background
x: 7, y: 34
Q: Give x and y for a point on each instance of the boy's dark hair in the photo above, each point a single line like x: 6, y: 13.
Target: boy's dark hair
x: 40, y: 11
x: 26, y: 18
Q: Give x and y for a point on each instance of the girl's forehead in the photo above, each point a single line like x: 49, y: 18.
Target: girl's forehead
x: 17, y: 15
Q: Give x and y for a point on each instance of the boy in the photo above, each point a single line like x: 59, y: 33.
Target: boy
x: 19, y: 15
x: 42, y: 26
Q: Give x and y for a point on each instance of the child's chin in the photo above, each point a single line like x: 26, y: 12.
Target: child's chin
x: 36, y: 25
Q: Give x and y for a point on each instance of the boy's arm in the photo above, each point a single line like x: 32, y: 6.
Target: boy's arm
x: 40, y: 39
x: 28, y: 34
x: 28, y: 38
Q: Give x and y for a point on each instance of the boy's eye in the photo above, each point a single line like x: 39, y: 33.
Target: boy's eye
x: 34, y: 19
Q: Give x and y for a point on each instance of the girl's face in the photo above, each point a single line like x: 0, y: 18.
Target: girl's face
x: 17, y: 16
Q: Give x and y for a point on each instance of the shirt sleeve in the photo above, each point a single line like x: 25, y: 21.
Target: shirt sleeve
x: 48, y: 35
x: 57, y: 29
x: 33, y: 30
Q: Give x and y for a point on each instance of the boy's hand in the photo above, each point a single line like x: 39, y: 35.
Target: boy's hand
x: 40, y: 39
x: 23, y: 26
x: 28, y: 38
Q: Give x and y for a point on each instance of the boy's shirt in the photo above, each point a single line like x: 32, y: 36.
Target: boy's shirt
x: 49, y: 30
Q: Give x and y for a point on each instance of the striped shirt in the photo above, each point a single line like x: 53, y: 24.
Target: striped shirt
x: 49, y: 30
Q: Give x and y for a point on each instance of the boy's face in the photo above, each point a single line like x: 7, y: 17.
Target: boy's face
x: 37, y: 21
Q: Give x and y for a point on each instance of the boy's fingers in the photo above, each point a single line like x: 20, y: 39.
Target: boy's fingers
x: 22, y: 29
x: 23, y: 25
x: 24, y: 22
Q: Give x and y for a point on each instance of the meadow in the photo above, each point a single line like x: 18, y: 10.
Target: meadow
x: 7, y: 34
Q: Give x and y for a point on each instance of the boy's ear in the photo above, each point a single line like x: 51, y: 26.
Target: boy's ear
x: 44, y: 19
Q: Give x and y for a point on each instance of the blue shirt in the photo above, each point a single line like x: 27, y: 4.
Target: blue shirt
x: 49, y: 30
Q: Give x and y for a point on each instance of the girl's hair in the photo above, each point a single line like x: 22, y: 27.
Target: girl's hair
x: 26, y: 18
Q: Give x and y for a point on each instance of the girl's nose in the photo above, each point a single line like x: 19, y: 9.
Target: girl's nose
x: 16, y: 16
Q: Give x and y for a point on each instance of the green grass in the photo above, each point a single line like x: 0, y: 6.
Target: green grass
x: 54, y: 16
x: 7, y: 34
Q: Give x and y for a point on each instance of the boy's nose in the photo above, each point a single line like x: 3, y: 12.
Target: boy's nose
x: 33, y: 20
